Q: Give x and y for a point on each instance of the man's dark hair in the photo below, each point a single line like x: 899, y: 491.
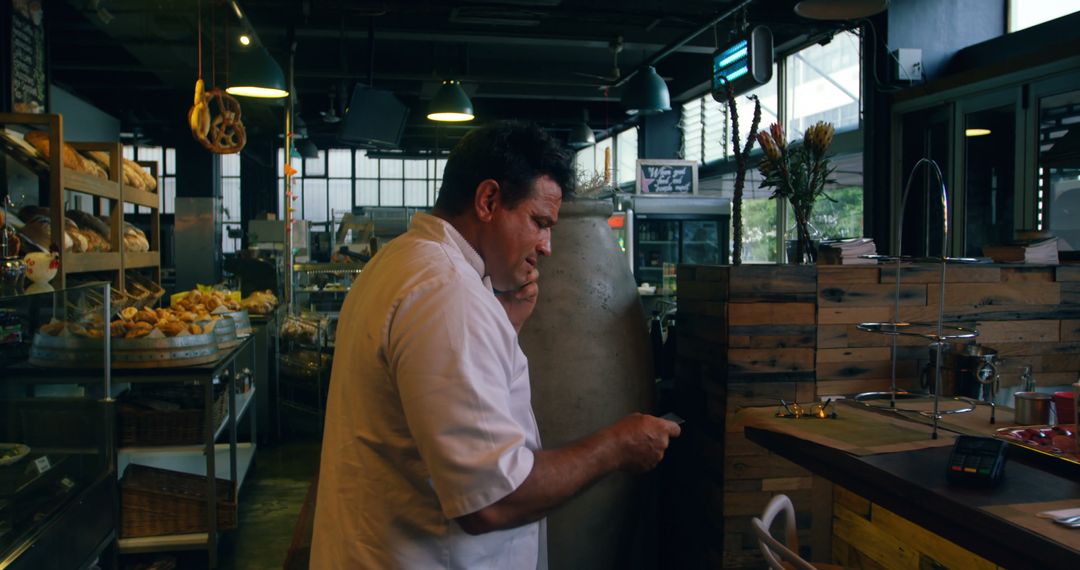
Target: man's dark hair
x: 514, y: 154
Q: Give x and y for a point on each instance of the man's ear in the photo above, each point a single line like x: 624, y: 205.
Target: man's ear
x: 486, y: 199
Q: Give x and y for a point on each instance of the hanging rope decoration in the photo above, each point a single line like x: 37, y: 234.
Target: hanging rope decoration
x: 214, y: 117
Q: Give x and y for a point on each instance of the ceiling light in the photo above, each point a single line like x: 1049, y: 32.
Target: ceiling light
x: 256, y: 74
x: 581, y: 136
x: 245, y: 40
x: 451, y: 104
x: 840, y: 9
x: 976, y: 132
x: 646, y: 93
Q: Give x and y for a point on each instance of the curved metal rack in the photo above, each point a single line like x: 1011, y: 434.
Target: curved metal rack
x: 935, y: 332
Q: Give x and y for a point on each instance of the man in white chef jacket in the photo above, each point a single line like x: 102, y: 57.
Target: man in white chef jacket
x: 431, y: 456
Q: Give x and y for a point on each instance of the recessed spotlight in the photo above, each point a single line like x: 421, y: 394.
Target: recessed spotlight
x: 245, y: 40
x: 976, y: 132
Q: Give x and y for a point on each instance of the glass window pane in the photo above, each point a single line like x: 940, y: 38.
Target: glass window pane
x: 416, y: 193
x: 366, y: 167
x: 315, y: 199
x: 1057, y: 206
x: 315, y: 166
x: 1025, y: 13
x: 390, y: 168
x: 230, y: 244
x: 585, y: 162
x: 280, y: 162
x: 691, y: 126
x: 714, y: 129
x: 769, y: 97
x: 340, y: 197
x: 824, y: 85
x: 759, y: 230
x: 129, y: 208
x: 230, y: 164
x: 440, y: 166
x: 341, y: 163
x: 170, y: 161
x: 626, y: 144
x: 367, y: 192
x: 168, y: 196
x: 390, y: 193
x: 230, y: 199
x: 415, y: 169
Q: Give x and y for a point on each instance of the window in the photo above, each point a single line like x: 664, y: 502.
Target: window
x: 626, y: 153
x: 230, y: 202
x: 1027, y: 13
x: 823, y: 85
x: 340, y: 179
x: 165, y: 158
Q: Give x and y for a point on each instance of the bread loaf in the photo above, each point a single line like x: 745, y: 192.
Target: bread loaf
x: 134, y: 174
x: 134, y: 239
x: 95, y: 230
x: 70, y: 157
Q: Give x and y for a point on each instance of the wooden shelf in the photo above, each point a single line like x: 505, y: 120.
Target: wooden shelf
x: 90, y: 184
x: 141, y: 197
x: 141, y: 259
x: 90, y: 261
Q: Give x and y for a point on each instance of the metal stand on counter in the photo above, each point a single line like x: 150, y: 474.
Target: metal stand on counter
x: 938, y: 334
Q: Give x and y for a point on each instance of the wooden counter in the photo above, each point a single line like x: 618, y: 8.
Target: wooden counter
x: 912, y: 484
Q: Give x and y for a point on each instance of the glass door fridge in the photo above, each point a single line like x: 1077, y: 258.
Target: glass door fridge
x: 677, y: 230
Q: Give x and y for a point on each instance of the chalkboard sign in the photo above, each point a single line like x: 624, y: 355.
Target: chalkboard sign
x: 662, y: 177
x: 27, y: 66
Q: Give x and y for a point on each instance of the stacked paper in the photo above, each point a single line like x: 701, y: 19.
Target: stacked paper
x: 1041, y: 252
x: 848, y: 252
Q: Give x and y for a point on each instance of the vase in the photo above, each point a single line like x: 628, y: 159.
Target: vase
x: 590, y: 364
x: 803, y: 248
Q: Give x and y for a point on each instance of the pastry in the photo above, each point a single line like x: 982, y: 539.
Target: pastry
x: 70, y: 157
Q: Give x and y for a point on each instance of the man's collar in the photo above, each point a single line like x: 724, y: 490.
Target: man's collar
x: 439, y: 227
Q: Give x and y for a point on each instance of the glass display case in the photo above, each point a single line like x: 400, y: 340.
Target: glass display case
x: 57, y: 450
x: 321, y: 287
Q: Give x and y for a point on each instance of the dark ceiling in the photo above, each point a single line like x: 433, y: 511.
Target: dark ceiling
x: 547, y: 61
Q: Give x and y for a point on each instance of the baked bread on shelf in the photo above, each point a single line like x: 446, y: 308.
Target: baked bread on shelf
x: 134, y: 239
x: 71, y: 158
x: 134, y: 174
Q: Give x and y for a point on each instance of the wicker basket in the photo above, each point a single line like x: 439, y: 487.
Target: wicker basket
x: 139, y: 425
x: 155, y: 501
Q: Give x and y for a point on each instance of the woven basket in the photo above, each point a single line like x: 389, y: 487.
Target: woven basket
x: 138, y: 425
x: 155, y: 501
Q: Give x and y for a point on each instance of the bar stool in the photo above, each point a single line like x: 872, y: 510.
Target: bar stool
x: 782, y: 556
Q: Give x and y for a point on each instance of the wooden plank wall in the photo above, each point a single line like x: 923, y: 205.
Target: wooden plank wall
x: 746, y: 338
x: 754, y: 334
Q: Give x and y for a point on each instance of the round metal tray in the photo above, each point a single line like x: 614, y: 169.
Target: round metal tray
x: 885, y: 400
x: 241, y: 320
x: 924, y: 330
x: 79, y: 352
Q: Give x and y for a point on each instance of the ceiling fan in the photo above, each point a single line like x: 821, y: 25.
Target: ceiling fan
x: 616, y: 46
x: 330, y: 115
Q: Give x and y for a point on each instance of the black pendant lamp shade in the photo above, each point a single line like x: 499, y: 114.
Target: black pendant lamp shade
x: 307, y: 149
x: 451, y: 104
x: 646, y: 93
x: 254, y: 73
x: 581, y: 136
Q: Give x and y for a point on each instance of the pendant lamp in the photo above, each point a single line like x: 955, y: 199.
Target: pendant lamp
x: 451, y: 104
x: 646, y: 93
x: 581, y: 136
x: 254, y: 73
x: 307, y: 149
x: 840, y: 9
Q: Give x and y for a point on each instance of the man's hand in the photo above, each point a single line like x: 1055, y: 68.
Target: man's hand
x: 519, y: 304
x: 642, y: 440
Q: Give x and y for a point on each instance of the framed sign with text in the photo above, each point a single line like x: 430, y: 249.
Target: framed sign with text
x: 666, y: 177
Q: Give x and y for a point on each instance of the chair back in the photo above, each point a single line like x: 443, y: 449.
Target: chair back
x: 776, y: 553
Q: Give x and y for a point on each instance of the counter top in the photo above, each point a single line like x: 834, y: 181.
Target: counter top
x: 992, y: 523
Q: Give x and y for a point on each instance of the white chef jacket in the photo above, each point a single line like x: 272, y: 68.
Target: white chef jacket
x: 429, y: 415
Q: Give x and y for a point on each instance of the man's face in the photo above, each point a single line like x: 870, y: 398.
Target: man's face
x: 521, y: 235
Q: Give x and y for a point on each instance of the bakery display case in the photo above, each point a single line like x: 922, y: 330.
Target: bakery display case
x: 57, y: 438
x: 321, y: 287
x: 307, y: 351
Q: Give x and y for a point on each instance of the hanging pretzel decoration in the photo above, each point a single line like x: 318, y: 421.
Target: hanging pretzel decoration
x: 214, y: 116
x: 227, y: 134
